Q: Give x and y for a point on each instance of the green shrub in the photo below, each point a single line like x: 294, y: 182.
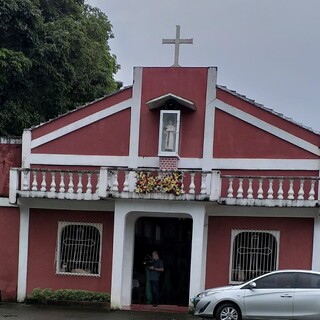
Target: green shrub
x: 68, y: 294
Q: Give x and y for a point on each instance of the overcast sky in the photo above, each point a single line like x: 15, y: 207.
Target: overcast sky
x: 267, y: 50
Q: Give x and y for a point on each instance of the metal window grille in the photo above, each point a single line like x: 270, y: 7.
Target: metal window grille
x: 253, y: 253
x: 79, y: 248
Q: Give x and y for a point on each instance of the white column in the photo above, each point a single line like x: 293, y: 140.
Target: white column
x: 122, y: 261
x: 23, y: 254
x: 135, y: 117
x: 208, y: 136
x: 198, y: 251
x: 316, y: 244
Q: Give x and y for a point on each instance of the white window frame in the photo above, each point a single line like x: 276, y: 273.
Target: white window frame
x: 236, y: 232
x: 163, y: 114
x: 61, y: 226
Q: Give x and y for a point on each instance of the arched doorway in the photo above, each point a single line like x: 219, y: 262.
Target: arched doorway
x: 171, y: 237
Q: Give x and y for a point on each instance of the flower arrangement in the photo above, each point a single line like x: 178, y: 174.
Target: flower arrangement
x: 166, y: 183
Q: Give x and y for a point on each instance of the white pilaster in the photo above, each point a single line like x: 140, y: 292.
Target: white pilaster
x: 122, y: 261
x: 135, y: 117
x: 198, y: 251
x: 208, y: 136
x: 316, y: 244
x: 23, y: 254
x: 26, y: 148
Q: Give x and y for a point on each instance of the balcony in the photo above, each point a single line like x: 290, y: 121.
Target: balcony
x: 184, y: 185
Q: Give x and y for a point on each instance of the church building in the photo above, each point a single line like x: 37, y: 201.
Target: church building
x: 222, y: 187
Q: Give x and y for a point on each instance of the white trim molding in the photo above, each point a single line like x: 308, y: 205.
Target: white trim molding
x: 267, y: 127
x: 184, y: 163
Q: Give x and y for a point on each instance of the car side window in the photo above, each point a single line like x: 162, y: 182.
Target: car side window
x: 308, y: 281
x: 276, y: 281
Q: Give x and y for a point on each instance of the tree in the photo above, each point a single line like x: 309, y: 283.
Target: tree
x: 54, y: 56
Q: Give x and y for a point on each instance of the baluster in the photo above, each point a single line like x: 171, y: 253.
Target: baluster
x: 79, y: 185
x: 34, y: 182
x: 290, y: 191
x: 250, y: 190
x: 312, y: 191
x: 115, y: 184
x: 203, y: 189
x: 98, y: 183
x: 280, y: 190
x: 270, y: 190
x: 192, y: 185
x: 89, y: 185
x: 240, y: 189
x: 25, y: 183
x: 230, y: 189
x: 70, y: 185
x: 126, y: 181
x: 62, y: 185
x: 260, y: 190
x: 182, y: 182
x: 301, y: 190
x: 43, y: 183
x: 53, y: 182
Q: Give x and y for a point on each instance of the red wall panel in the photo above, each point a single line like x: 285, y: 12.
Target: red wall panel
x: 295, y: 250
x: 42, y: 250
x: 82, y: 112
x: 9, y: 231
x: 109, y: 136
x: 10, y: 157
x: 188, y: 83
x: 269, y: 117
x: 235, y: 138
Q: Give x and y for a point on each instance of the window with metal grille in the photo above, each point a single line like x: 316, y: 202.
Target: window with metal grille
x: 79, y: 248
x: 253, y: 253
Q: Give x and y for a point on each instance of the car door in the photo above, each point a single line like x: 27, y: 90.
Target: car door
x: 270, y: 297
x: 306, y: 304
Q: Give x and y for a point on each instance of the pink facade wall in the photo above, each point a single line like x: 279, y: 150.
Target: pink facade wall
x: 10, y: 156
x: 188, y: 83
x: 42, y: 249
x: 268, y: 117
x: 235, y: 138
x: 9, y: 232
x: 82, y: 112
x: 295, y: 252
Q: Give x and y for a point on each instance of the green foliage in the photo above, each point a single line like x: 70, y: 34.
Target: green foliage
x: 68, y: 295
x: 54, y: 56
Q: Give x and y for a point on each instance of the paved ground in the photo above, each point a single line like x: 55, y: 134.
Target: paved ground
x: 33, y: 312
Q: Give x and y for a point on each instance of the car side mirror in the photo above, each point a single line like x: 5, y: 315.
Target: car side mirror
x: 252, y: 285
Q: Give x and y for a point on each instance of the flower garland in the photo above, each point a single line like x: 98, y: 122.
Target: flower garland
x: 167, y: 183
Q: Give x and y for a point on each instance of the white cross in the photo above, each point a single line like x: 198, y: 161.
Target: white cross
x: 177, y: 41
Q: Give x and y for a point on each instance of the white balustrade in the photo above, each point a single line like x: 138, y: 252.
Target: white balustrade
x: 236, y: 190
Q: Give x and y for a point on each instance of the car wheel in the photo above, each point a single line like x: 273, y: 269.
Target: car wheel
x: 228, y: 311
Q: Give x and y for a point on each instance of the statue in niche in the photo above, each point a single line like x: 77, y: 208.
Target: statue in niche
x: 170, y: 136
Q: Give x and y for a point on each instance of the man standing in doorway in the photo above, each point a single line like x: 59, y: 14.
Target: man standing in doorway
x: 156, y: 267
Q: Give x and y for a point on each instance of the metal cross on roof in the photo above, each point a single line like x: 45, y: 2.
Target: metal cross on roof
x: 177, y: 41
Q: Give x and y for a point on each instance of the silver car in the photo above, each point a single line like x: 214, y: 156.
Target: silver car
x: 286, y: 294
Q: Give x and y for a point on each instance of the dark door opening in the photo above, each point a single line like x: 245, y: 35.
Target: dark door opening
x: 171, y: 237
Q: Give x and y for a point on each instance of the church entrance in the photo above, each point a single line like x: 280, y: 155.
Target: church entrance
x: 171, y: 237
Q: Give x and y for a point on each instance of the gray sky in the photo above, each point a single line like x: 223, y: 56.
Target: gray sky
x: 268, y: 50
